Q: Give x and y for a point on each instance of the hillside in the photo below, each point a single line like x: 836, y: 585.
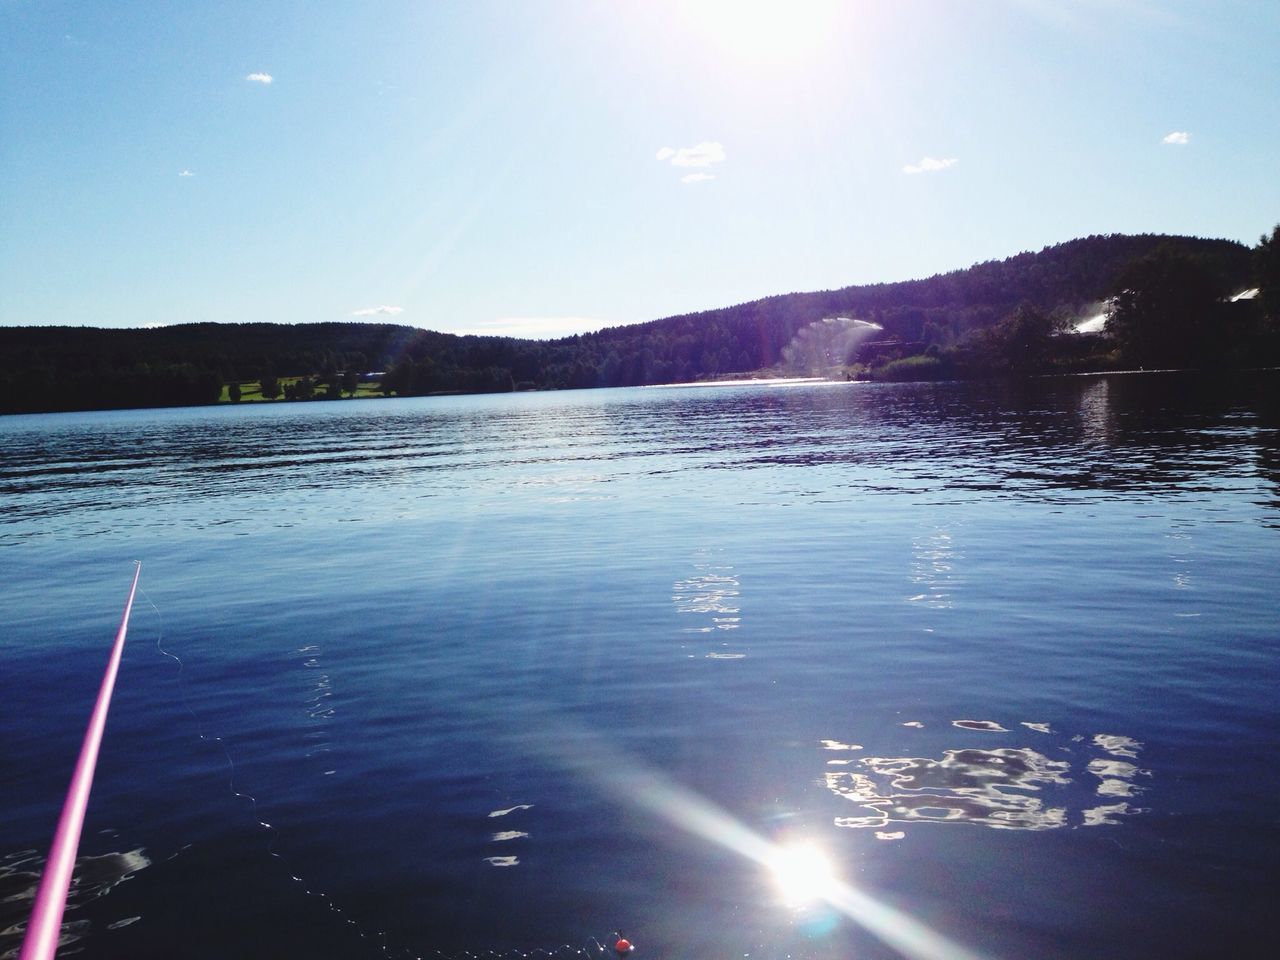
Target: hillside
x: 1073, y: 276
x: 66, y: 368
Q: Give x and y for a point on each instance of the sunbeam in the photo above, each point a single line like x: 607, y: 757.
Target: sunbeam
x: 801, y: 872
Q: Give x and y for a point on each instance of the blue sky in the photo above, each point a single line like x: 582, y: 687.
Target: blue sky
x: 547, y: 167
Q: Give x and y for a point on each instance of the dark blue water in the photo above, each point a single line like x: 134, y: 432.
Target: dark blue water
x: 508, y: 673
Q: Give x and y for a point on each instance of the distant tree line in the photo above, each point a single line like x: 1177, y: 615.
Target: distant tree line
x: 59, y: 385
x: 1172, y: 306
x: 1168, y: 305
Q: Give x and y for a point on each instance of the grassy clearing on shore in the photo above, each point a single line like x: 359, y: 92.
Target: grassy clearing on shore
x: 251, y: 391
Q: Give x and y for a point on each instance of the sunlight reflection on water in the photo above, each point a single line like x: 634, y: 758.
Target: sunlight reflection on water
x: 1006, y: 788
x: 384, y: 606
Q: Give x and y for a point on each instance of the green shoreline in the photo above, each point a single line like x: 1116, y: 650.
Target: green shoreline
x: 1170, y: 303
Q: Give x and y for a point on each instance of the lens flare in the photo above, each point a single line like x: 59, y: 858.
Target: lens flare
x: 802, y: 873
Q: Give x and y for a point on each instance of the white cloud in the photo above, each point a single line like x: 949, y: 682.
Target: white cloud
x: 699, y: 155
x: 382, y: 311
x: 930, y: 165
x: 184, y: 172
x: 1178, y: 138
x: 259, y: 78
x: 533, y: 328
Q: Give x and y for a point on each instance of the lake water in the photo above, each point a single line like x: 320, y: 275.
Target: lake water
x: 507, y: 673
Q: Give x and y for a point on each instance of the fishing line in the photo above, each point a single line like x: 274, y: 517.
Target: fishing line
x: 377, y: 937
x: 565, y: 951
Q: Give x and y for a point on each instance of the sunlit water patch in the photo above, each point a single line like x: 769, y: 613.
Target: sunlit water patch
x: 709, y: 597
x: 510, y: 810
x: 990, y: 726
x: 92, y: 878
x: 935, y: 561
x: 1014, y: 787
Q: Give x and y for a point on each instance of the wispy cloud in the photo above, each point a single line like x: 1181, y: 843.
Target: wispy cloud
x: 930, y: 165
x: 534, y: 328
x: 699, y: 155
x: 184, y: 172
x: 697, y: 177
x: 259, y: 78
x: 1179, y: 138
x: 381, y: 311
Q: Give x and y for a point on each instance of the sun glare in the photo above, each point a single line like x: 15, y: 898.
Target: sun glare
x: 800, y: 870
x: 802, y: 873
x: 765, y: 30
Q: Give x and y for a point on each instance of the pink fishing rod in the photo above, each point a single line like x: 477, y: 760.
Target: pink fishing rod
x: 41, y: 941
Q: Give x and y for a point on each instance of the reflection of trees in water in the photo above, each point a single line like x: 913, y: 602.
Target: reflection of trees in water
x: 1190, y: 431
x: 92, y: 878
x: 1178, y: 432
x: 1116, y: 433
x: 1125, y: 434
x: 1267, y: 450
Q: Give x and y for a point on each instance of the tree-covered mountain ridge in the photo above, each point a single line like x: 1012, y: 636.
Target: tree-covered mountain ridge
x: 1075, y: 276
x: 955, y: 323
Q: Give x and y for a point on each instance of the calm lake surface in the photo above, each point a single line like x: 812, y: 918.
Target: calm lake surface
x: 507, y: 673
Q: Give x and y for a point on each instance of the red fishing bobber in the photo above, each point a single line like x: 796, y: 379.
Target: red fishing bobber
x: 623, y: 946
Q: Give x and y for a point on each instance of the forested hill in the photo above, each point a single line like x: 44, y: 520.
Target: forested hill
x: 1074, y: 276
x: 64, y: 368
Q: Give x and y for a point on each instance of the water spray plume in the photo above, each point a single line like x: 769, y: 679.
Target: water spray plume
x: 824, y: 344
